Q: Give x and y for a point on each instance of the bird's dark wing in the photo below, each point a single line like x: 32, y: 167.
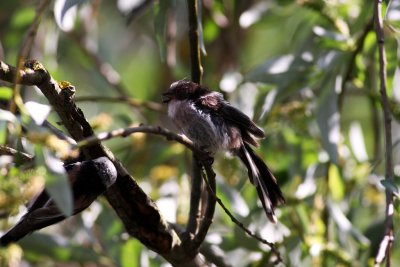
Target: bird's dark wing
x: 215, y: 103
x: 237, y: 117
x: 39, y: 201
x: 42, y: 217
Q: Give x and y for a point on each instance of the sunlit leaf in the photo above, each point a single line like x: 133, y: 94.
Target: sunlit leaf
x: 336, y: 184
x: 253, y: 14
x: 283, y: 71
x: 38, y: 112
x: 6, y: 115
x: 308, y: 187
x: 5, y: 93
x: 68, y: 4
x: 345, y: 225
x: 65, y: 13
x: 357, y: 141
x: 200, y: 26
x: 130, y: 253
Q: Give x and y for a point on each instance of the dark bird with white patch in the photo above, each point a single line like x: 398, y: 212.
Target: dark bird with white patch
x: 88, y: 180
x: 213, y: 124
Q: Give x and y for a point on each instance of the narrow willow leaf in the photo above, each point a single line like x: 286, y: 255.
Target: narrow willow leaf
x: 57, y: 183
x: 328, y: 118
x: 68, y: 4
x: 160, y: 25
x: 200, y: 28
x: 357, y: 142
x: 336, y: 184
x: 6, y: 115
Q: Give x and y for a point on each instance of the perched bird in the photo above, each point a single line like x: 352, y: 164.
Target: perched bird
x: 213, y: 124
x: 88, y: 180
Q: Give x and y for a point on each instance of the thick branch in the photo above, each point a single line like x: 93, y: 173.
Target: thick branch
x: 136, y: 210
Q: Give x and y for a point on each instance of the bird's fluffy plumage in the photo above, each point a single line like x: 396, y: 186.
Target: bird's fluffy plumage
x: 213, y: 124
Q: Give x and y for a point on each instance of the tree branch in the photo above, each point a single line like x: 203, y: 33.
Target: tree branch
x: 195, y: 58
x: 5, y: 150
x: 137, y: 211
x: 352, y: 62
x: 387, y: 241
x: 197, y: 231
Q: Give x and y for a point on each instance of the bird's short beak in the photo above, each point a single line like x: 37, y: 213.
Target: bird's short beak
x: 166, y: 97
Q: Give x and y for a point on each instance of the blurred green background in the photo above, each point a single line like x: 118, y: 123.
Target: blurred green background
x: 306, y: 71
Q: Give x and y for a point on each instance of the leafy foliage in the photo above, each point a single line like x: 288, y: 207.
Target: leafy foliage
x: 305, y: 70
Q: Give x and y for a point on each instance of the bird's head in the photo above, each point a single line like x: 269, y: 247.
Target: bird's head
x: 183, y: 90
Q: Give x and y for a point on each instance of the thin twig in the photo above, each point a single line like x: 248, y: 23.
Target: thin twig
x: 57, y: 132
x: 16, y: 99
x: 5, y: 150
x: 107, y: 72
x: 241, y: 225
x: 352, y: 62
x: 124, y: 132
x: 387, y: 241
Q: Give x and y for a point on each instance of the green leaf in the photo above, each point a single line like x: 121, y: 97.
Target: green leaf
x: 345, y: 225
x: 23, y: 17
x: 200, y: 27
x: 130, y: 253
x: 280, y: 70
x: 328, y: 117
x: 160, y: 24
x: 35, y: 244
x: 57, y: 183
x: 336, y: 185
x: 5, y: 93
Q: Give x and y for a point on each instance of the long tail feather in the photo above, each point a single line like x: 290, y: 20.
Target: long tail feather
x: 259, y: 174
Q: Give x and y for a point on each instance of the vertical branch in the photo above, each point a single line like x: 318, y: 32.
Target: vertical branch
x: 195, y: 195
x: 197, y: 229
x: 196, y: 68
x: 196, y: 74
x: 387, y: 241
